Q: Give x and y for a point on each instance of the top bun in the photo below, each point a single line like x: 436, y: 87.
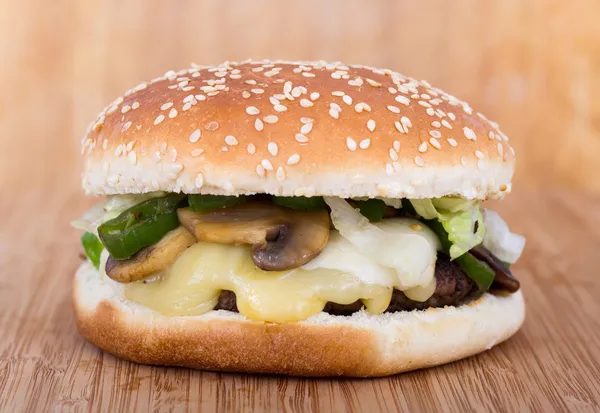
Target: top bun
x: 295, y: 129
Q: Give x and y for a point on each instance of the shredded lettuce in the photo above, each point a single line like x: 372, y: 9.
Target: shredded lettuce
x: 461, y: 219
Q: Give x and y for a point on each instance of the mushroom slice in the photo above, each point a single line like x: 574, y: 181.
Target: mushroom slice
x: 281, y: 238
x: 151, y: 259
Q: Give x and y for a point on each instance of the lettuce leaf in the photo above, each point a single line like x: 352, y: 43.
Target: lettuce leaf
x: 461, y: 219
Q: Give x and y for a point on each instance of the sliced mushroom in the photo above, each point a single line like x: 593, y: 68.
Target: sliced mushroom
x: 151, y: 259
x: 282, y: 238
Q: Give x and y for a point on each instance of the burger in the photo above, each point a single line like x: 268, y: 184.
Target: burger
x: 299, y: 218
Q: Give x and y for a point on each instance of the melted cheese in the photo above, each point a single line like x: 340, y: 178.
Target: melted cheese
x: 191, y: 286
x: 341, y: 274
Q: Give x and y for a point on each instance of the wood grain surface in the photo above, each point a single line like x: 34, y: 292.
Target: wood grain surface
x: 533, y: 65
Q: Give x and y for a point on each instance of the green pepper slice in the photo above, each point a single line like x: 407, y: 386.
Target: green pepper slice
x: 202, y: 203
x: 141, y: 225
x: 477, y: 270
x: 301, y: 203
x: 373, y: 209
x: 92, y: 248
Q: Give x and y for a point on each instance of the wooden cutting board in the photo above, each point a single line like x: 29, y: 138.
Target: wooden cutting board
x: 552, y: 364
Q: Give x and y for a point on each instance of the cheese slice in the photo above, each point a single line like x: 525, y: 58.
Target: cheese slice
x: 341, y: 274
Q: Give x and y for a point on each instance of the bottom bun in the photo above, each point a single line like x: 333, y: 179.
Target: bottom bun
x: 360, y: 345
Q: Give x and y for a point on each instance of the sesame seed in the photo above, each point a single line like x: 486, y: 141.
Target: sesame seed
x: 396, y: 146
x: 257, y: 69
x: 189, y: 98
x: 130, y: 146
x: 166, y: 106
x: 125, y: 109
x: 446, y: 124
x: 402, y: 99
x: 105, y: 144
x: 132, y: 158
x: 259, y: 125
x: 172, y: 113
x: 280, y: 174
x: 373, y: 83
x: 425, y: 96
x: 271, y: 118
x: 126, y: 126
x: 279, y: 97
x: 436, y: 124
x: 250, y: 82
x: 356, y: 82
x: 260, y: 171
x: 135, y: 105
x: 435, y: 133
x: 351, y: 143
x: 463, y: 160
x: 252, y: 110
x: 305, y: 103
x: 306, y: 120
x: 163, y: 147
x: 251, y: 148
x: 306, y: 128
x: 274, y: 101
x: 469, y: 134
x: 365, y: 143
x: 314, y: 96
x: 452, y: 142
x: 273, y: 148
x: 347, y: 99
x: 399, y: 127
x: 246, y: 94
x: 419, y: 161
x: 435, y: 143
x: 111, y: 109
x: 406, y: 122
x: 159, y: 119
x: 267, y: 164
x: 301, y: 138
x: 389, y: 170
x: 424, y: 104
x: 257, y: 91
x: 231, y: 140
x: 338, y: 93
x: 423, y: 147
x: 371, y: 125
x: 187, y: 106
x: 451, y: 116
x: 491, y: 135
x: 308, y: 74
x: 393, y: 109
x: 199, y: 181
x: 212, y: 126
x: 197, y: 152
x: 479, y: 154
x: 500, y: 149
x: 392, y: 90
x: 293, y: 159
x: 430, y: 111
x: 358, y: 107
x: 334, y: 113
x: 393, y: 155
x: 279, y: 108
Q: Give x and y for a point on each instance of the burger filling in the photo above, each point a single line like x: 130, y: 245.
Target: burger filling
x: 284, y: 259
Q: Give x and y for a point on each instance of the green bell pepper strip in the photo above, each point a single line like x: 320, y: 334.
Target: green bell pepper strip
x: 373, y: 209
x: 301, y: 203
x: 141, y: 225
x: 202, y: 203
x: 477, y: 270
x: 92, y: 248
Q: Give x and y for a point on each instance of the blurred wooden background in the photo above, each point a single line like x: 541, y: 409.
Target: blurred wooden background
x: 533, y: 66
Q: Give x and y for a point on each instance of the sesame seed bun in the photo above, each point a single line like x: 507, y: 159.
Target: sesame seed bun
x: 360, y: 345
x: 293, y: 129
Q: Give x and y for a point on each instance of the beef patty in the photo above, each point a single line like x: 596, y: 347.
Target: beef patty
x: 452, y: 287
